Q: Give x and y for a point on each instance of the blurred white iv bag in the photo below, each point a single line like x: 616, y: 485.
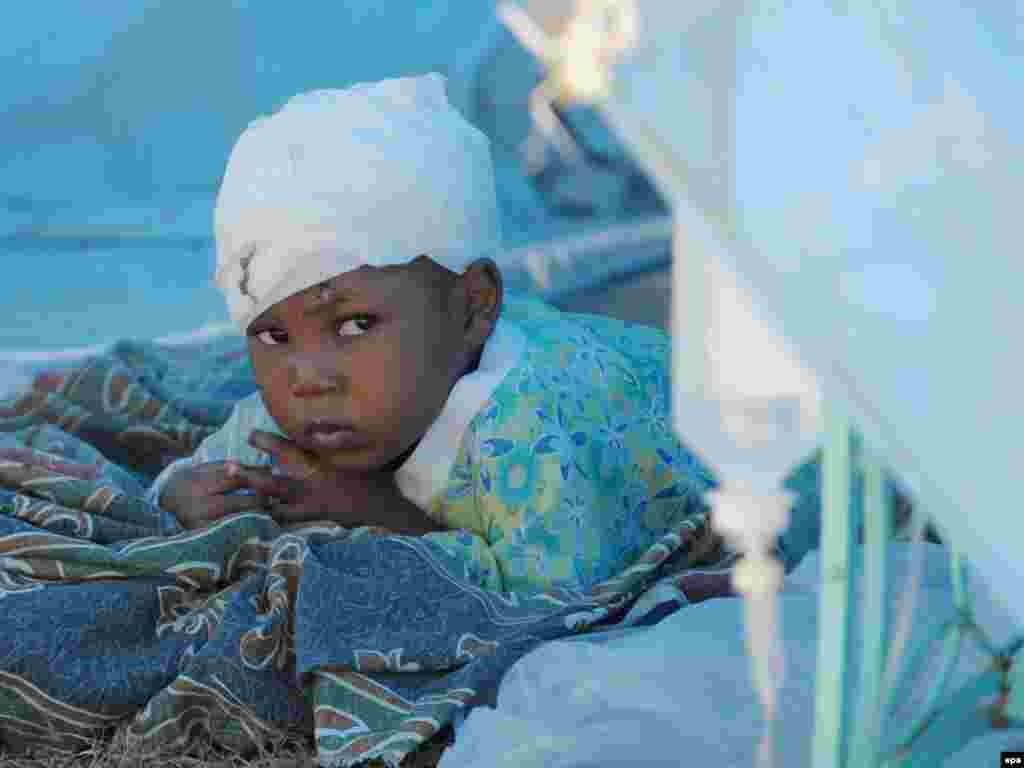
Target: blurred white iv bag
x: 743, y: 403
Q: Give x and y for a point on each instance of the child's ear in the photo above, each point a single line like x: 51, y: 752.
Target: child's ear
x: 483, y: 291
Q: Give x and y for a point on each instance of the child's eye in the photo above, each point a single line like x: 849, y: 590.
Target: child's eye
x: 356, y: 326
x: 268, y: 337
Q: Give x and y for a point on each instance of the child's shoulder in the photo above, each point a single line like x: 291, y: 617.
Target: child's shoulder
x: 593, y: 364
x: 555, y: 334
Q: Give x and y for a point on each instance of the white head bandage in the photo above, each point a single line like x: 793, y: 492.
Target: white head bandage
x: 375, y: 174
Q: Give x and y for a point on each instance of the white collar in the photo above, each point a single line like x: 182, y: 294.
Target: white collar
x: 425, y: 473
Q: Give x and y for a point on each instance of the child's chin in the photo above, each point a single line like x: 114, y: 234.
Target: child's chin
x: 351, y: 461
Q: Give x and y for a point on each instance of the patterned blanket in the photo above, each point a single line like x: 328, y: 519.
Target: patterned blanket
x: 242, y: 632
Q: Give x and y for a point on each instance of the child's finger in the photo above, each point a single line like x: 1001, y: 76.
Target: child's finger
x: 264, y: 481
x: 220, y: 477
x: 268, y: 442
x: 225, y: 476
x: 285, y: 450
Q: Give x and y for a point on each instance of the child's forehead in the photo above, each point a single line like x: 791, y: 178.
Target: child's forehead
x: 350, y: 282
x: 364, y: 278
x: 394, y: 281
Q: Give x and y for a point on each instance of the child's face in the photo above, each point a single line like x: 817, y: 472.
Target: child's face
x: 376, y: 350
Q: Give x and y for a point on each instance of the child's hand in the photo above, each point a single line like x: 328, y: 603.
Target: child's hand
x: 314, y: 491
x: 199, y: 494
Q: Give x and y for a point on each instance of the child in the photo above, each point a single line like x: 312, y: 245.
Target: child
x: 398, y: 386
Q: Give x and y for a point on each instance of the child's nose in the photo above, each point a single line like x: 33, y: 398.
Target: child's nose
x: 310, y: 377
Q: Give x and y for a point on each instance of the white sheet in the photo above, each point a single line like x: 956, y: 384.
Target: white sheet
x: 678, y: 694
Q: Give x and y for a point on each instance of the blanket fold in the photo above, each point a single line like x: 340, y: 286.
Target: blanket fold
x: 243, y: 631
